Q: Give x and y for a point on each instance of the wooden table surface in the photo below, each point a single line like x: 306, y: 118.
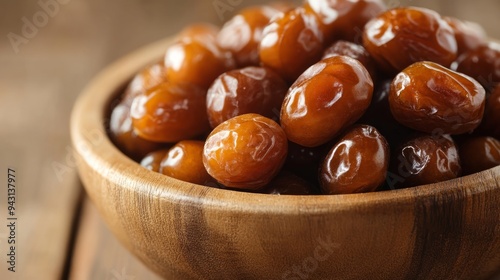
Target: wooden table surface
x: 45, y: 61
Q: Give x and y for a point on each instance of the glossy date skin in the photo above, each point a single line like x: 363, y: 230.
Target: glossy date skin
x: 479, y: 153
x: 184, y: 161
x: 245, y: 152
x: 123, y: 135
x: 482, y: 64
x: 149, y: 77
x: 425, y: 160
x: 249, y: 90
x: 357, y: 163
x: 242, y: 34
x: 196, y: 59
x: 291, y: 42
x: 153, y: 160
x: 352, y: 50
x: 402, y: 36
x: 431, y: 98
x: 330, y: 96
x: 469, y: 35
x: 170, y: 113
x: 344, y: 19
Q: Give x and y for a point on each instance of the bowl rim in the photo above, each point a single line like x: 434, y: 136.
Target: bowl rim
x: 89, y: 116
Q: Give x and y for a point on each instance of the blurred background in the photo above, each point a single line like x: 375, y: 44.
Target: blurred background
x: 49, y: 50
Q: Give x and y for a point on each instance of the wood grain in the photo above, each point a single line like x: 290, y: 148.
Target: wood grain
x: 39, y: 85
x: 449, y: 230
x: 98, y: 255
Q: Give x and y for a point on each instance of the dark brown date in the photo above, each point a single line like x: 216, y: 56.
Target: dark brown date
x: 249, y: 90
x: 424, y: 160
x: 491, y: 121
x: 479, y: 153
x: 287, y: 183
x: 482, y: 64
x: 357, y: 163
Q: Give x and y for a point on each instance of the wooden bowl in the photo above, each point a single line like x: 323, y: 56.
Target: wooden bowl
x: 449, y: 230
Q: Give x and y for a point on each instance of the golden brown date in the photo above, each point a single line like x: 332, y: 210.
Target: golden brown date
x: 245, y: 152
x: 242, y: 34
x: 184, y: 161
x: 153, y: 160
x: 330, y: 96
x: 431, y: 98
x: 402, y: 36
x: 291, y: 42
x: 122, y: 134
x: 170, y: 113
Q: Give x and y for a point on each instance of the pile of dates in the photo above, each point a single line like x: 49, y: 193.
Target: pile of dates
x: 331, y: 97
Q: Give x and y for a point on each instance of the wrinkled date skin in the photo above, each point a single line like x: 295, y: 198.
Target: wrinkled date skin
x: 344, y: 19
x: 245, y: 152
x: 291, y: 42
x: 170, y: 113
x: 355, y: 51
x: 249, y: 90
x: 122, y: 133
x: 330, y: 96
x: 357, y: 163
x: 482, y: 64
x: 402, y: 36
x: 153, y: 160
x: 242, y: 34
x: 469, y: 35
x: 479, y: 153
x: 424, y: 160
x: 431, y: 98
x: 197, y: 60
x: 491, y: 121
x: 184, y: 161
x: 149, y: 77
